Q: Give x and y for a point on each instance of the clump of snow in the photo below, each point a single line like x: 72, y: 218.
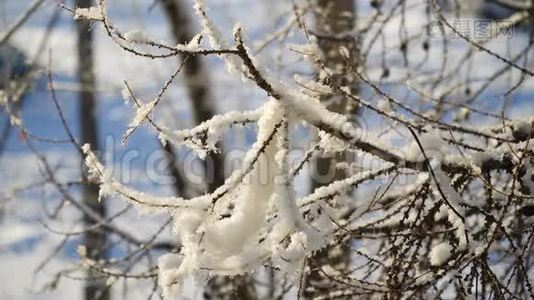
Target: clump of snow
x: 453, y: 198
x: 192, y: 46
x: 169, y: 277
x: 330, y: 143
x: 440, y: 254
x: 384, y: 105
x: 523, y: 129
x: 291, y: 257
x: 4, y: 103
x: 227, y: 237
x: 435, y: 148
x: 346, y: 89
x: 310, y: 51
x: 91, y: 13
x: 82, y: 251
x: 141, y: 114
x: 313, y: 86
x: 143, y: 111
x: 135, y: 36
x: 441, y: 213
x: 462, y: 114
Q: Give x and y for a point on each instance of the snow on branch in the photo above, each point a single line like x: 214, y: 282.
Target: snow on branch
x: 203, y: 138
x: 95, y: 13
x: 425, y: 209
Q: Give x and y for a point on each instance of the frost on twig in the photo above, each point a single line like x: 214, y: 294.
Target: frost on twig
x: 141, y: 114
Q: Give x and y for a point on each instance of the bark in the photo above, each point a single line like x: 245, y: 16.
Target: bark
x: 334, y: 29
x: 95, y: 240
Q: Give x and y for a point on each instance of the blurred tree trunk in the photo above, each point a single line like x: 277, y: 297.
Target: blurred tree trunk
x: 175, y: 171
x: 198, y: 86
x: 95, y: 240
x: 335, y: 24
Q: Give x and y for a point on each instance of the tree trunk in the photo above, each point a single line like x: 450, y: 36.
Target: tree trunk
x: 95, y: 240
x: 334, y: 29
x: 197, y: 84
